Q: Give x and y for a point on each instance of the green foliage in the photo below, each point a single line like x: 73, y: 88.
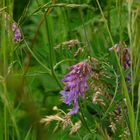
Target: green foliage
x: 55, y: 35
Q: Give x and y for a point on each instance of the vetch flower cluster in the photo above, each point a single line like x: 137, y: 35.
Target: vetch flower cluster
x: 125, y: 55
x: 76, y: 84
x: 13, y: 28
x: 16, y: 31
x: 124, y: 59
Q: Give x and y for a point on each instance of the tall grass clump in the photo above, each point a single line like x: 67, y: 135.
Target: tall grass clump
x: 69, y: 70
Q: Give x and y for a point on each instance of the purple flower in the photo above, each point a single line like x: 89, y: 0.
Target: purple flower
x: 17, y: 35
x: 124, y: 60
x: 75, y: 84
x: 14, y: 30
x: 116, y: 46
x: 14, y: 26
x: 125, y: 55
x: 17, y: 32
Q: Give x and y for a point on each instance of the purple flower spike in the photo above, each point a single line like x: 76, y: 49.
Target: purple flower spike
x: 75, y: 84
x: 17, y: 32
x: 126, y: 58
x: 125, y: 53
x: 126, y: 61
x: 13, y: 28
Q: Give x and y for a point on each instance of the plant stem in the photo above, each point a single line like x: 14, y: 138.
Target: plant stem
x: 89, y: 47
x: 83, y: 118
x: 3, y: 45
x: 51, y: 52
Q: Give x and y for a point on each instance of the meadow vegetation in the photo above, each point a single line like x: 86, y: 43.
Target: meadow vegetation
x: 69, y: 70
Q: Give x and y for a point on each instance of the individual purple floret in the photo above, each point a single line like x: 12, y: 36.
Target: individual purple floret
x: 76, y: 84
x: 14, y: 27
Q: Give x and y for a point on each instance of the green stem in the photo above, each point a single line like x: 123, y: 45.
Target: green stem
x: 89, y: 48
x: 83, y: 118
x: 8, y: 109
x: 46, y: 68
x: 48, y: 5
x: 2, y: 9
x: 5, y: 113
x: 115, y: 93
x: 51, y: 52
x: 3, y: 44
